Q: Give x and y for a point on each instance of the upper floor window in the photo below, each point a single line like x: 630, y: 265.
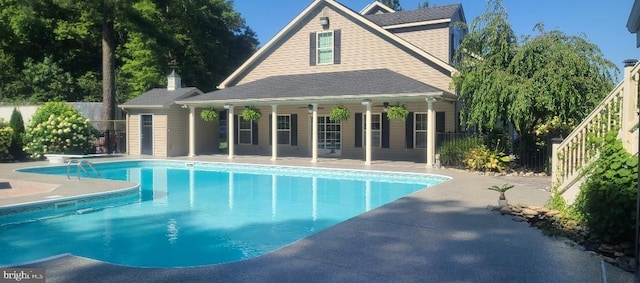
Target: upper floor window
x: 324, y: 48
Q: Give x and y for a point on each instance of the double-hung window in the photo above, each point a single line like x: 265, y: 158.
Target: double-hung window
x: 376, y: 127
x: 325, y: 47
x: 245, y: 131
x: 284, y: 129
x: 420, y: 128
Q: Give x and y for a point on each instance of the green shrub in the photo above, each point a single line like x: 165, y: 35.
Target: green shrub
x: 17, y: 125
x: 64, y: 131
x: 607, y: 198
x: 481, y: 158
x: 6, y: 135
x: 453, y: 153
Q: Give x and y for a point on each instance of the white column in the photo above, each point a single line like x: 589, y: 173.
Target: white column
x: 274, y: 132
x: 314, y: 134
x: 192, y: 131
x: 230, y: 131
x: 629, y: 106
x: 431, y: 133
x: 367, y: 146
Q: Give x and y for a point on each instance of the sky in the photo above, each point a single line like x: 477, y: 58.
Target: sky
x: 604, y: 23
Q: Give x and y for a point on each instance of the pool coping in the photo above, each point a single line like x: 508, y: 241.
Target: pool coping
x: 415, y: 238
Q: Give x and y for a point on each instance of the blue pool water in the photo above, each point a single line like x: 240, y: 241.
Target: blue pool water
x: 191, y: 214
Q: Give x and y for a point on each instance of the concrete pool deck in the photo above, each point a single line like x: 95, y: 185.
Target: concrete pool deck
x: 441, y: 234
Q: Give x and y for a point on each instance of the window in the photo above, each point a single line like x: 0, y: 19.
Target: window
x: 284, y: 129
x: 245, y: 131
x: 328, y: 133
x: 420, y: 128
x: 325, y: 47
x: 376, y: 126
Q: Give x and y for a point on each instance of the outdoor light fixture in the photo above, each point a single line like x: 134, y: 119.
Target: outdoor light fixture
x: 310, y: 106
x: 385, y: 107
x: 324, y: 21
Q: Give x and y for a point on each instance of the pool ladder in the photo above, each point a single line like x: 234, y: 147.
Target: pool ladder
x: 79, y: 163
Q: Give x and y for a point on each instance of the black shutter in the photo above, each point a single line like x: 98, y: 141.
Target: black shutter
x: 409, y: 130
x: 254, y: 132
x: 294, y: 129
x: 270, y: 130
x: 440, y: 122
x: 358, y: 130
x: 236, y: 126
x: 385, y: 130
x: 312, y: 49
x: 336, y: 46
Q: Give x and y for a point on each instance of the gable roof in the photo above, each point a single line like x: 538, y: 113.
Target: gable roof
x: 415, y: 16
x: 160, y: 98
x: 322, y: 86
x: 376, y: 7
x: 272, y: 44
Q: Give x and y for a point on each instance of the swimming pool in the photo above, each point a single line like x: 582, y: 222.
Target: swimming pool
x: 197, y: 213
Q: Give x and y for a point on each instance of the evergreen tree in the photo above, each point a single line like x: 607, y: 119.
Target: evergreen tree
x: 393, y: 4
x: 17, y: 124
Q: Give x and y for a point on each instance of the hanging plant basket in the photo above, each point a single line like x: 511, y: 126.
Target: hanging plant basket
x: 209, y: 114
x: 339, y: 113
x: 398, y: 112
x: 250, y: 113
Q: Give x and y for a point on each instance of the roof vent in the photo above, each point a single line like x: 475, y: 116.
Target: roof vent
x: 173, y: 81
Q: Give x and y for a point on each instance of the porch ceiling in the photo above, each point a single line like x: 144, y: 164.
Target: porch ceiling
x: 345, y: 87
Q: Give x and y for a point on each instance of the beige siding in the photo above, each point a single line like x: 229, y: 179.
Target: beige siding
x: 435, y: 40
x: 133, y: 134
x: 177, y: 131
x: 160, y: 138
x: 361, y: 49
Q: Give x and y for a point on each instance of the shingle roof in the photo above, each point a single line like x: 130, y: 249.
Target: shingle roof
x: 161, y: 97
x: 363, y: 82
x: 413, y: 16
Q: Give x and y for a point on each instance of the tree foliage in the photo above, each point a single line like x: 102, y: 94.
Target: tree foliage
x: 59, y: 44
x: 527, y: 83
x: 393, y: 4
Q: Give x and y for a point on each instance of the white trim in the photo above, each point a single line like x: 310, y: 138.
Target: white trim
x: 153, y: 153
x: 415, y: 129
x: 379, y: 121
x: 373, y: 5
x: 332, y: 47
x: 415, y: 24
x: 240, y: 130
x: 283, y: 130
x: 298, y: 19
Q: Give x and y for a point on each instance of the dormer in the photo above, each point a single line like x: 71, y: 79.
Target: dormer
x: 173, y: 81
x: 376, y: 8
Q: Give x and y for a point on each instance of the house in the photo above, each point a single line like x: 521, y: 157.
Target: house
x: 330, y: 55
x: 157, y: 126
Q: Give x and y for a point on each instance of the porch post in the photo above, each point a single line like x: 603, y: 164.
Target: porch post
x: 367, y: 158
x: 274, y: 132
x: 629, y: 104
x: 431, y: 133
x: 192, y: 131
x: 314, y: 133
x: 230, y: 131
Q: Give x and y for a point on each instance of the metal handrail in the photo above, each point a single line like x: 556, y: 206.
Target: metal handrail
x: 79, y: 167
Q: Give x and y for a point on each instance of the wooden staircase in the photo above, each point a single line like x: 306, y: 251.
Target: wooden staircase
x: 617, y: 111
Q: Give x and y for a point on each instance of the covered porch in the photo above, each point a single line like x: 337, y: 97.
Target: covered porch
x: 368, y: 134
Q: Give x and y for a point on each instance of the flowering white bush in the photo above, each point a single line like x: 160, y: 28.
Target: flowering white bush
x: 65, y: 133
x: 6, y: 135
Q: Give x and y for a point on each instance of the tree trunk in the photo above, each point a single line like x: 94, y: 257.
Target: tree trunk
x: 108, y: 79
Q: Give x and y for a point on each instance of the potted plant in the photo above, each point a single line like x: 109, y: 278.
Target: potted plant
x: 250, y: 113
x: 339, y: 113
x: 397, y: 112
x: 209, y: 114
x: 502, y: 200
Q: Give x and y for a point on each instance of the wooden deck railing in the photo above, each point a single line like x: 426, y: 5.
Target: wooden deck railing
x: 616, y: 112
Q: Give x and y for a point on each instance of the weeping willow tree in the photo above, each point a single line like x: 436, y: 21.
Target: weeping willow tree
x: 550, y: 76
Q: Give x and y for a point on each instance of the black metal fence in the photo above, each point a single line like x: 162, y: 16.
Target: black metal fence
x: 112, y: 138
x: 529, y: 156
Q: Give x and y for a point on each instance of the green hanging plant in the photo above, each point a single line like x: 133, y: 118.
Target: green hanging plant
x: 209, y: 114
x: 250, y: 113
x: 398, y: 112
x: 339, y: 113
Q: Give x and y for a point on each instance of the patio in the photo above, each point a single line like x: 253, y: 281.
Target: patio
x: 441, y: 234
